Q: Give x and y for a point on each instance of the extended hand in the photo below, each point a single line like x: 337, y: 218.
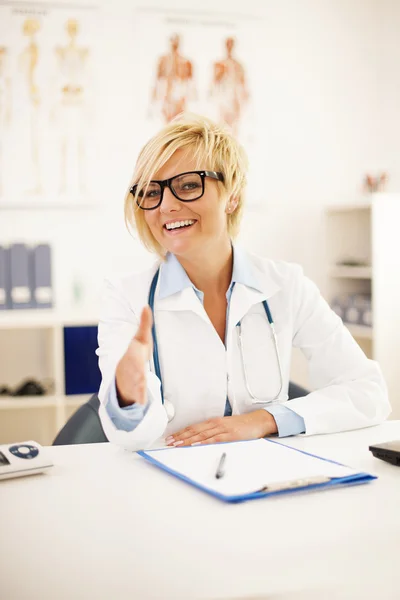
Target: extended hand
x: 250, y: 426
x: 130, y: 375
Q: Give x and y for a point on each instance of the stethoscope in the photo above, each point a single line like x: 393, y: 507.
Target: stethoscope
x: 169, y: 408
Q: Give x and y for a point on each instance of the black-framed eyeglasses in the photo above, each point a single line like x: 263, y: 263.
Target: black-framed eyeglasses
x: 187, y: 187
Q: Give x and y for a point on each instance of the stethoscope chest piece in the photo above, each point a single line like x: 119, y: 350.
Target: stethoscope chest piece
x: 169, y: 409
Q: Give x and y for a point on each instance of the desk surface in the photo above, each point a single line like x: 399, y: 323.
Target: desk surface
x: 106, y: 525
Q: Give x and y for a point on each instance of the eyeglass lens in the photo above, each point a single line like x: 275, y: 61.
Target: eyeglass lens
x: 186, y: 187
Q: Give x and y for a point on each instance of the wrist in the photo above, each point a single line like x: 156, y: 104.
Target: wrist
x: 122, y: 398
x: 123, y: 376
x: 122, y: 401
x: 267, y: 423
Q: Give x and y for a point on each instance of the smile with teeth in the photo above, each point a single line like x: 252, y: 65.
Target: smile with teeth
x: 177, y: 224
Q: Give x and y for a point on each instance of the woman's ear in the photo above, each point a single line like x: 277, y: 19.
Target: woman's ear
x: 231, y: 206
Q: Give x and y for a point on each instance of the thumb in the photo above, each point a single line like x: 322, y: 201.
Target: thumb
x: 143, y: 334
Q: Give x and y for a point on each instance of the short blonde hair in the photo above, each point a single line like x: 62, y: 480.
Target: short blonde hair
x: 213, y: 146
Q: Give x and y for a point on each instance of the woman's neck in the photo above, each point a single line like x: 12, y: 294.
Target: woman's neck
x: 212, y: 271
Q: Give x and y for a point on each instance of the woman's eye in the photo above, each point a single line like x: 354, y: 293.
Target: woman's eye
x: 192, y: 185
x: 152, y: 194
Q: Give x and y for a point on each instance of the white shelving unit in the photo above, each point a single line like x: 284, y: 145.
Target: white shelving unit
x: 368, y: 237
x: 360, y: 332
x: 350, y: 272
x: 36, y: 338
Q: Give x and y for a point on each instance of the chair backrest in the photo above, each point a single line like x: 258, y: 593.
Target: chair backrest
x: 84, y: 427
x: 296, y: 391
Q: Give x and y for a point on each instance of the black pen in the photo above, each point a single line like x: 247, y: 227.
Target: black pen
x: 220, y: 469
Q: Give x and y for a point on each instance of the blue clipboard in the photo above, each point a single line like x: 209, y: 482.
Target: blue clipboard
x: 280, y: 488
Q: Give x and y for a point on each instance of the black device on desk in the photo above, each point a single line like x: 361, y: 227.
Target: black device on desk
x: 389, y: 451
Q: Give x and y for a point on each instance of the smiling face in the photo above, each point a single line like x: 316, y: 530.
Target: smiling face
x: 188, y: 143
x: 204, y: 220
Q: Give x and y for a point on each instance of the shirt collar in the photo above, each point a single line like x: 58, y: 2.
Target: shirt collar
x: 173, y: 277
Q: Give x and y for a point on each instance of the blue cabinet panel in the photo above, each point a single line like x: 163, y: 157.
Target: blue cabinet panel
x: 82, y: 374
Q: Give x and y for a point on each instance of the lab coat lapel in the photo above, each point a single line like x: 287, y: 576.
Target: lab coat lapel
x: 185, y: 300
x: 244, y: 297
x: 179, y: 300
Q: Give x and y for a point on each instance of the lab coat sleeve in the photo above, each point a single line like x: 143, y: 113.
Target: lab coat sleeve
x: 123, y: 417
x: 350, y: 391
x: 287, y: 421
x: 117, y: 326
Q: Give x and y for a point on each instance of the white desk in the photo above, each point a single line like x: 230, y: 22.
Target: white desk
x: 106, y: 525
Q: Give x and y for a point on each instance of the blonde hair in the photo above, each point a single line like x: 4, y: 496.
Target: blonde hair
x: 213, y: 147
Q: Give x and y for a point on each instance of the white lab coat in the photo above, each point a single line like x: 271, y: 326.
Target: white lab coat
x: 199, y: 372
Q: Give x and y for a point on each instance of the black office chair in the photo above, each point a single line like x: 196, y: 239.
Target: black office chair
x: 84, y: 427
x: 296, y: 391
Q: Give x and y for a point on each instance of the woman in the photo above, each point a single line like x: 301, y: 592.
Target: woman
x: 222, y: 375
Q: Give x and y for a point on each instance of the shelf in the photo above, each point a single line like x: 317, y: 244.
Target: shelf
x: 360, y: 331
x: 44, y: 319
x: 75, y: 401
x: 22, y: 402
x: 351, y: 272
x: 340, y: 208
x: 27, y: 402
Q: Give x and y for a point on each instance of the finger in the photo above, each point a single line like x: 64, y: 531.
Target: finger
x: 192, y: 430
x: 138, y: 390
x: 219, y: 438
x: 140, y: 386
x: 143, y: 334
x: 201, y: 438
x: 198, y: 427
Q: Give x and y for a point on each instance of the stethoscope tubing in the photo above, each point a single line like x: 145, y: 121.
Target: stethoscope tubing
x: 156, y: 359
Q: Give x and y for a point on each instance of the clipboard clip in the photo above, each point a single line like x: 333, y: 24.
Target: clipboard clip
x: 292, y: 484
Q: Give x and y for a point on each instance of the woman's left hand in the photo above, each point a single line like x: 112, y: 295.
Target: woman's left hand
x: 250, y: 426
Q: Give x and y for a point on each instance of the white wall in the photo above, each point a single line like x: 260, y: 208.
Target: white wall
x: 318, y: 84
x: 388, y: 83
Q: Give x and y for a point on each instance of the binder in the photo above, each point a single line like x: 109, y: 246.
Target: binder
x: 4, y: 279
x: 41, y: 276
x: 253, y: 469
x: 20, y: 276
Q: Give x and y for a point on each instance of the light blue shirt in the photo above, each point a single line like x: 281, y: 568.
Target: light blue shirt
x: 174, y: 279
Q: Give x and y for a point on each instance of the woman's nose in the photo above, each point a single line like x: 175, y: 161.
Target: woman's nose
x: 169, y: 202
